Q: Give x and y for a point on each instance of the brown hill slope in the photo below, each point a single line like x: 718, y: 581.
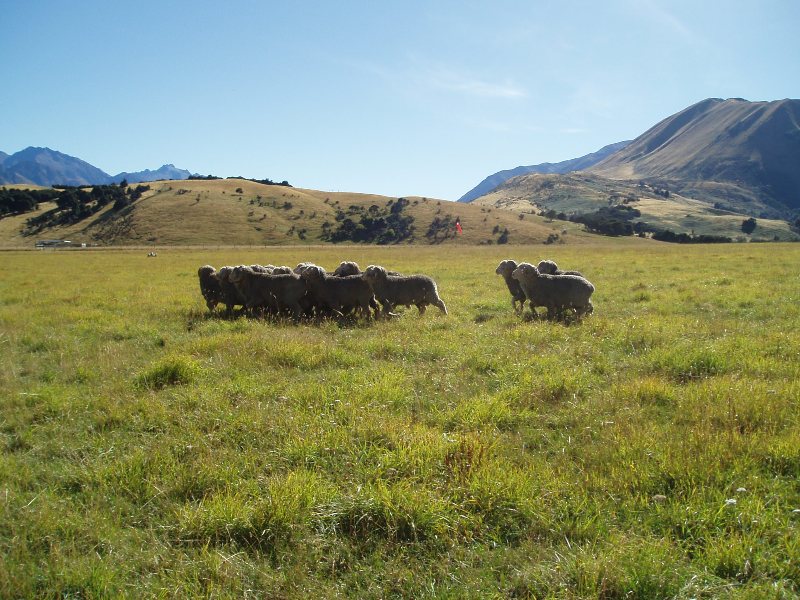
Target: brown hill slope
x: 240, y: 212
x: 584, y: 192
x: 736, y: 154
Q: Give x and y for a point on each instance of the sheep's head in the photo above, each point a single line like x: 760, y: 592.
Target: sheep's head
x: 525, y: 271
x: 262, y: 268
x: 312, y: 272
x: 506, y: 267
x: 224, y: 273
x: 547, y: 267
x: 347, y: 268
x: 303, y: 266
x: 237, y: 273
x: 206, y: 271
x: 374, y: 272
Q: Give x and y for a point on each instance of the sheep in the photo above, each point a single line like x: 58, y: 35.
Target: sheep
x: 230, y: 295
x: 555, y: 292
x: 262, y: 268
x: 274, y: 291
x: 282, y: 270
x: 346, y: 269
x: 505, y: 269
x: 305, y: 265
x: 391, y: 290
x: 548, y: 267
x: 339, y: 294
x: 209, y: 286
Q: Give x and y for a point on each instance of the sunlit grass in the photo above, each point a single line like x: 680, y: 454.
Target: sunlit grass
x: 148, y: 449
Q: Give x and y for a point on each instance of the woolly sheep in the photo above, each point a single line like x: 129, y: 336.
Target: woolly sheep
x: 305, y: 265
x: 274, y: 291
x: 339, y: 295
x: 209, y: 286
x: 505, y: 269
x: 393, y: 290
x: 230, y: 295
x: 347, y: 268
x: 555, y: 292
x: 548, y: 267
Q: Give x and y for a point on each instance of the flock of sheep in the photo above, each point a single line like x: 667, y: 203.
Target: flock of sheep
x: 560, y: 292
x: 308, y: 290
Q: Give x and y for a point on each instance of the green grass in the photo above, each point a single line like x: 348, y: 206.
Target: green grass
x: 651, y: 451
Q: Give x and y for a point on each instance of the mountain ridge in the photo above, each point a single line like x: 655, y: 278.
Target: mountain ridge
x: 751, y: 149
x: 574, y: 164
x: 47, y: 167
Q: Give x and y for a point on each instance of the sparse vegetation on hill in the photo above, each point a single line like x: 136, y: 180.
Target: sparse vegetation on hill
x: 75, y: 204
x: 20, y: 201
x: 243, y: 212
x: 376, y: 224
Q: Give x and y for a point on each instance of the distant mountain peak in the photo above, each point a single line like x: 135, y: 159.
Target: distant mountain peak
x: 45, y: 166
x: 575, y: 164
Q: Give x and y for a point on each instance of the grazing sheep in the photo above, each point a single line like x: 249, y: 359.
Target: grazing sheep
x: 276, y: 292
x: 262, y: 268
x: 305, y: 265
x: 505, y: 269
x: 209, y: 286
x: 230, y: 295
x: 346, y: 269
x: 555, y: 292
x: 339, y: 295
x: 393, y: 290
x: 548, y: 267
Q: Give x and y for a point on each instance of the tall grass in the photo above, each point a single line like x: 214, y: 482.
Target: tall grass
x: 148, y: 449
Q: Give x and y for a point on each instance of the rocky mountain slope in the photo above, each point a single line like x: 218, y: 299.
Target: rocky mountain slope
x: 735, y: 154
x: 46, y: 167
x: 566, y: 166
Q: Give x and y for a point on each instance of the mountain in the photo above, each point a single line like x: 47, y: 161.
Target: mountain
x: 575, y: 164
x: 164, y: 173
x: 736, y: 154
x: 43, y: 166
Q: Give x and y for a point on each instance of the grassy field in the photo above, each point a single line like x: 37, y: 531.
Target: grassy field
x: 651, y: 451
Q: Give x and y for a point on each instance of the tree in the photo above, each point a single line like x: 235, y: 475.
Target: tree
x: 748, y: 225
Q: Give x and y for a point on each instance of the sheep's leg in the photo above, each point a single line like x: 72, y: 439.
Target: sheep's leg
x: 421, y: 307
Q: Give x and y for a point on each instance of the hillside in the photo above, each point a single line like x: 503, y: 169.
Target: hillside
x: 566, y: 166
x: 241, y: 212
x: 739, y: 155
x: 584, y: 192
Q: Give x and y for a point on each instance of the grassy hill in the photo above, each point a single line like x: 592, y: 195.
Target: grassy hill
x: 584, y: 192
x: 241, y: 212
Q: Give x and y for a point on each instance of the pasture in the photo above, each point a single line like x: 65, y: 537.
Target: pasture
x: 653, y: 450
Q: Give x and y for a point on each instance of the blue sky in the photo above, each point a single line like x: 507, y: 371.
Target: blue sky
x: 396, y: 98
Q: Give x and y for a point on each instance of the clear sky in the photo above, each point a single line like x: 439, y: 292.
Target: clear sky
x: 390, y: 97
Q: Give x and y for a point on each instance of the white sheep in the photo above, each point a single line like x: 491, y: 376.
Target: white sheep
x: 557, y: 293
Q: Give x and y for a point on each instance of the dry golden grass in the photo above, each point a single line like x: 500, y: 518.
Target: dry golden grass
x: 244, y: 213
